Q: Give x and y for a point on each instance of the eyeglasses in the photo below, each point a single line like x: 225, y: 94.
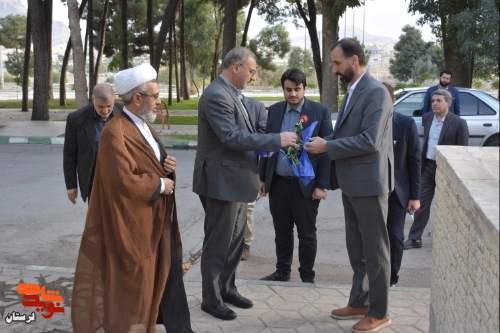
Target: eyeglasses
x: 155, y: 96
x: 251, y: 71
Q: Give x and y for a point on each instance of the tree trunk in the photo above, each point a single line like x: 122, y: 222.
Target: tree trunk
x: 79, y: 75
x: 62, y: 82
x: 184, y: 81
x: 48, y: 4
x: 330, y: 92
x: 26, y: 69
x: 247, y: 23
x: 149, y: 23
x: 229, y: 36
x: 101, y: 40
x: 39, y: 17
x: 191, y: 72
x: 168, y: 17
x: 170, y: 64
x: 177, y: 88
x: 313, y: 35
x: 124, y: 46
x: 90, y: 32
x: 461, y: 69
x: 215, y: 60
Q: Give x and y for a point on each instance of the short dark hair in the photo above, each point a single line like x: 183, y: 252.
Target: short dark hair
x: 294, y: 75
x: 351, y: 47
x: 445, y: 72
x: 390, y: 89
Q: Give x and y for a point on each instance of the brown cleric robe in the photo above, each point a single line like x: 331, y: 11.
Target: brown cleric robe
x: 124, y: 256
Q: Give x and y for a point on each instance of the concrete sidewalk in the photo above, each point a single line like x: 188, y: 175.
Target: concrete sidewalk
x: 280, y: 307
x: 16, y: 127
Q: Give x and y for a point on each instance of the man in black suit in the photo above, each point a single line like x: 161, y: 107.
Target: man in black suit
x: 81, y: 140
x: 290, y: 201
x: 406, y: 192
x: 442, y: 128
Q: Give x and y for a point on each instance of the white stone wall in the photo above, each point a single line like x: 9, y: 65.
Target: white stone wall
x: 465, y: 273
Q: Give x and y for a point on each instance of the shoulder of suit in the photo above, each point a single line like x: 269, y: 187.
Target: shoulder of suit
x: 277, y: 105
x: 82, y: 112
x: 315, y: 106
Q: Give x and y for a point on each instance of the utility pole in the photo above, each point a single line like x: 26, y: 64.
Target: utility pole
x: 1, y: 67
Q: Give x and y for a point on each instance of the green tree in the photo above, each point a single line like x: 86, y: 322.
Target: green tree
x: 465, y: 28
x: 271, y: 42
x: 14, y: 63
x: 302, y: 59
x: 423, y: 69
x: 13, y: 31
x: 408, y: 50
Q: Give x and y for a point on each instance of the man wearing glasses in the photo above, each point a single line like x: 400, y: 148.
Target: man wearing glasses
x: 128, y: 276
x: 226, y: 177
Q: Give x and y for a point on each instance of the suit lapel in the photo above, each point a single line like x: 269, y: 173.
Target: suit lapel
x: 355, y: 95
x: 90, y: 128
x: 239, y: 105
x: 396, y: 130
x: 249, y: 111
x: 446, y: 125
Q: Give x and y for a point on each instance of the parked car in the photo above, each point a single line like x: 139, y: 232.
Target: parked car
x: 477, y: 108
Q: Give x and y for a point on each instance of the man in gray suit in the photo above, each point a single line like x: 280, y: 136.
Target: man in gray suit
x: 441, y: 127
x: 226, y: 177
x: 361, y: 148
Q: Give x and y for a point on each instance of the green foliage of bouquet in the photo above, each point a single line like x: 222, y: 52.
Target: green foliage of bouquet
x: 291, y: 152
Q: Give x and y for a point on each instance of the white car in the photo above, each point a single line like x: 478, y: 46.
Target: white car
x: 477, y: 108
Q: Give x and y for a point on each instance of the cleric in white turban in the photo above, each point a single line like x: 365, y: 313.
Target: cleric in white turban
x: 128, y: 275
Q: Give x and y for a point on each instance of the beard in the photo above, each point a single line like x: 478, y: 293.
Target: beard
x: 443, y: 84
x: 147, y: 114
x: 347, y: 76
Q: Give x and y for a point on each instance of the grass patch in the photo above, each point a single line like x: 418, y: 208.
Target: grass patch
x: 180, y: 120
x: 186, y: 137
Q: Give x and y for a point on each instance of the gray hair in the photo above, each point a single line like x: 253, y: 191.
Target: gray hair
x: 103, y: 92
x: 237, y: 55
x: 444, y: 93
x: 142, y: 89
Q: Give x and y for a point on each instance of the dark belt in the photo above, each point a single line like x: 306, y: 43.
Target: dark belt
x: 285, y: 177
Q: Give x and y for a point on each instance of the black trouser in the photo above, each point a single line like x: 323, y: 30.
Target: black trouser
x: 395, y: 228
x: 174, y: 310
x: 288, y: 206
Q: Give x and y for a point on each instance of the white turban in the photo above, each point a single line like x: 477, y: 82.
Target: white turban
x: 128, y: 79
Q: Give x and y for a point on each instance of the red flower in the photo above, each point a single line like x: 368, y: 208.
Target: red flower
x: 303, y: 118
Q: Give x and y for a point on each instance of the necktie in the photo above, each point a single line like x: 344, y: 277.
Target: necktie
x: 342, y: 108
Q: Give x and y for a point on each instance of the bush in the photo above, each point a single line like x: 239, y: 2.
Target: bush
x: 495, y: 84
x: 477, y: 84
x: 8, y: 78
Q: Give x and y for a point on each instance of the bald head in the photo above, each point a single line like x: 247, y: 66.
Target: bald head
x: 103, y: 98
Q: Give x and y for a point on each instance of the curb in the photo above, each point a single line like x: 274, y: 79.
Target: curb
x: 60, y: 141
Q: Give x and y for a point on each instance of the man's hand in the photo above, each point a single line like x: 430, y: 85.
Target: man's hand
x: 316, y: 145
x: 289, y: 139
x: 72, y: 195
x: 262, y: 189
x: 319, y: 194
x: 413, y: 205
x: 169, y: 186
x: 169, y: 164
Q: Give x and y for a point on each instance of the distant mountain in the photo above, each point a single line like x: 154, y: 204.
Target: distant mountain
x: 60, y: 32
x: 11, y: 7
x: 368, y: 37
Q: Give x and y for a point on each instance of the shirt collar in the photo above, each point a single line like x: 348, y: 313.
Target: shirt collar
x: 351, y: 87
x: 235, y: 90
x: 437, y: 120
x: 298, y: 108
x: 135, y: 119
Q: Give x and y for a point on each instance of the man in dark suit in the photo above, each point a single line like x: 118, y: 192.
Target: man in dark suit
x: 226, y: 178
x: 361, y: 146
x: 290, y: 201
x: 440, y: 128
x: 406, y: 194
x: 444, y: 84
x: 81, y: 140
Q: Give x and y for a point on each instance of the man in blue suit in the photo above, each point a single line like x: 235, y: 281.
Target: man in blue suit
x: 444, y: 84
x: 406, y: 192
x: 290, y: 201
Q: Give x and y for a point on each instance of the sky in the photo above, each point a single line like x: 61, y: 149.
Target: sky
x: 382, y: 17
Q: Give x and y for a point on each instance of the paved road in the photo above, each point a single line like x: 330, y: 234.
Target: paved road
x: 41, y: 227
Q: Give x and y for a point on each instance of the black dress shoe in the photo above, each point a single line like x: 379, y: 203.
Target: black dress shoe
x: 220, y: 311
x: 237, y: 300
x: 412, y: 244
x: 276, y: 276
x: 308, y: 280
